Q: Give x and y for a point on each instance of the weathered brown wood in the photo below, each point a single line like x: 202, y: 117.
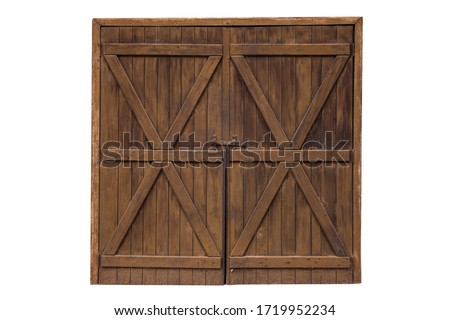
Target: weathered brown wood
x: 192, y: 98
x: 95, y: 151
x: 357, y: 118
x: 187, y: 174
x: 108, y: 175
x: 344, y: 107
x: 249, y: 175
x: 290, y: 49
x: 318, y: 100
x: 114, y: 154
x: 260, y: 99
x: 191, y: 211
x: 162, y: 49
x: 162, y: 185
x: 260, y: 210
x: 256, y: 155
x: 288, y: 123
x: 173, y: 276
x: 133, y: 99
x: 199, y: 180
x: 132, y: 210
x: 146, y: 22
x: 262, y: 172
x: 290, y: 262
x: 297, y: 80
x: 149, y: 206
x: 303, y: 98
x: 319, y: 211
x: 235, y: 185
x: 213, y: 175
x: 127, y: 174
x: 275, y: 210
x: 175, y: 262
x: 226, y: 85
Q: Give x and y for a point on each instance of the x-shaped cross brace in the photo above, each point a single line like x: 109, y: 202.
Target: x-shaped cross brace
x: 298, y: 139
x: 169, y: 170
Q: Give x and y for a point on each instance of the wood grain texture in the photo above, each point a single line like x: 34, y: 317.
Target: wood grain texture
x: 262, y: 173
x: 357, y: 119
x: 137, y: 49
x: 186, y: 174
x: 290, y: 49
x: 290, y: 262
x: 174, y: 262
x: 123, y: 22
x: 192, y: 99
x: 126, y: 172
x: 267, y: 155
x: 320, y: 212
x: 260, y: 210
x: 95, y: 151
x: 108, y: 175
x: 260, y: 99
x: 236, y: 213
x: 132, y: 210
x: 175, y: 155
x: 133, y: 99
x: 191, y: 211
x: 235, y: 181
x: 319, y: 99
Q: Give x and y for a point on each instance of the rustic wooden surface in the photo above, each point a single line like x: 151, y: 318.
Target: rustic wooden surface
x: 272, y: 218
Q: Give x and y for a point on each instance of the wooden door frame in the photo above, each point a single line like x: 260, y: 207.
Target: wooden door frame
x: 97, y: 24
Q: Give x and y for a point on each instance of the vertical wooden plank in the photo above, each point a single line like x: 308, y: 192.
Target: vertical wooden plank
x: 214, y: 217
x: 344, y: 171
x: 226, y: 137
x: 328, y: 170
x: 262, y: 236
x: 151, y: 104
x: 249, y: 172
x: 136, y: 167
x: 288, y: 98
x: 173, y: 276
x: 303, y: 98
x: 126, y: 126
x: 187, y: 173
x: 214, y: 183
x: 201, y: 133
x: 235, y: 207
x: 235, y: 182
x: 316, y: 130
x: 274, y: 97
x: 162, y: 230
x: 214, y: 122
x: 226, y: 84
x: 357, y: 118
x: 95, y: 147
x: 108, y: 176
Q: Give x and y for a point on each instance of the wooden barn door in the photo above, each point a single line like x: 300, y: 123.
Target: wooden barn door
x: 161, y: 213
x: 290, y: 183
x: 226, y: 151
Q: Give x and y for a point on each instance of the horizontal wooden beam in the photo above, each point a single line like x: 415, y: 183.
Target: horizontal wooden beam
x: 276, y: 262
x: 284, y: 155
x: 310, y: 49
x: 162, y: 49
x: 114, y: 154
x: 177, y: 262
x: 167, y: 22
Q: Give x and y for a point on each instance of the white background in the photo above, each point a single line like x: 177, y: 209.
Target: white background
x: 45, y: 82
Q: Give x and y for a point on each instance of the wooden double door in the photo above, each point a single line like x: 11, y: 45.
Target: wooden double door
x: 226, y: 151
